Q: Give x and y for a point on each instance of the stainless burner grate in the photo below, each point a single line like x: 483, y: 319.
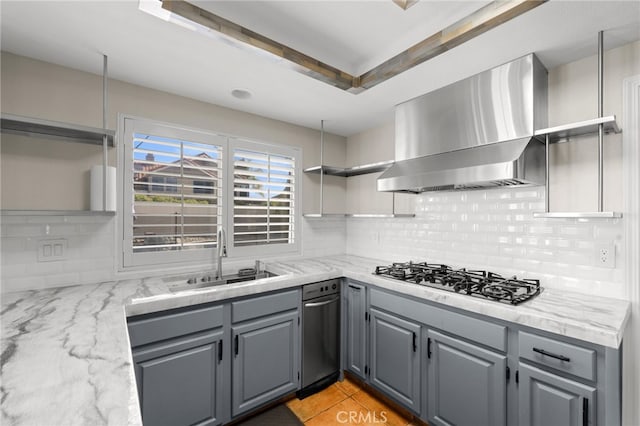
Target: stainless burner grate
x: 477, y: 283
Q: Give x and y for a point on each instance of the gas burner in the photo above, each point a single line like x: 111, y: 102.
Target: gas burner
x: 497, y: 291
x: 485, y: 284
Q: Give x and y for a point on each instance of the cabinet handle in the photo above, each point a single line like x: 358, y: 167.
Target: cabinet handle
x: 235, y: 344
x: 354, y: 287
x: 552, y: 355
x: 414, y: 341
x: 220, y: 351
x: 316, y: 304
x: 585, y: 412
x: 429, y: 348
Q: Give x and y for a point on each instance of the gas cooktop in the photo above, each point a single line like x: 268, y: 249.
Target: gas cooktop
x: 484, y: 284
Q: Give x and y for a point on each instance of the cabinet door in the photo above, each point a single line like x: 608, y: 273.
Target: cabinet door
x: 547, y: 399
x: 180, y: 382
x: 265, y: 361
x: 356, y: 340
x: 395, y: 358
x: 466, y: 384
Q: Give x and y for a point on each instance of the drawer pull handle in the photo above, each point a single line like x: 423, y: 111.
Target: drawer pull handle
x: 552, y: 355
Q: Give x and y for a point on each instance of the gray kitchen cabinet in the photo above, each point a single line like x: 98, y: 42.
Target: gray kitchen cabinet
x: 395, y: 358
x: 266, y: 349
x: 179, y: 366
x: 466, y: 383
x: 209, y: 364
x: 356, y: 328
x: 547, y: 399
x: 180, y: 383
x: 559, y: 383
x: 474, y: 369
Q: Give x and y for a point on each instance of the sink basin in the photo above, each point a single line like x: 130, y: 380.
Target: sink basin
x: 207, y: 281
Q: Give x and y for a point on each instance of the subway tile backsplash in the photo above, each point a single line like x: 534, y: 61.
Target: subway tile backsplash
x: 494, y: 229
x: 90, y: 249
x: 89, y: 252
x: 491, y: 229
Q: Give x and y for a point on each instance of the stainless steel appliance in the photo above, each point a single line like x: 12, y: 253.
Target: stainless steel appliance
x: 320, y: 335
x: 488, y: 285
x: 476, y: 133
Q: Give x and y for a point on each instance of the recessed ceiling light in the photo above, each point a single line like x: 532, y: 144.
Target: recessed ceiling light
x: 241, y: 93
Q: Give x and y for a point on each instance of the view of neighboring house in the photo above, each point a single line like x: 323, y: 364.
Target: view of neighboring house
x: 177, y: 203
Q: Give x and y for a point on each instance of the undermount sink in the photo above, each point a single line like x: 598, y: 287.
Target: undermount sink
x: 209, y: 280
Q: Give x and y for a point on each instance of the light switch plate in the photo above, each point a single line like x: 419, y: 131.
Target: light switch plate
x: 52, y: 250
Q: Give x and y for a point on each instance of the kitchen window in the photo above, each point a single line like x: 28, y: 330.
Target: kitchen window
x: 181, y: 185
x: 264, y: 197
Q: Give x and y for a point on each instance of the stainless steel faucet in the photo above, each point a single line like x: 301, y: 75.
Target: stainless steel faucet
x: 222, y: 251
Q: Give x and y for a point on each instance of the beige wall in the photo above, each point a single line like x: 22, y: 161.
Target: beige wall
x: 373, y: 146
x: 55, y: 175
x: 572, y: 97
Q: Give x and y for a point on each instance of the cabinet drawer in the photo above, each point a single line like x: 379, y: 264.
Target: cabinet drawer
x: 256, y: 307
x: 156, y: 327
x: 558, y: 355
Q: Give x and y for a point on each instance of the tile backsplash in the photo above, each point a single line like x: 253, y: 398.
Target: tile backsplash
x: 494, y: 229
x: 324, y: 237
x: 88, y: 257
x: 89, y: 245
x: 490, y: 229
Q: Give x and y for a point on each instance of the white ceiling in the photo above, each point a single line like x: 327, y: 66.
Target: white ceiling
x: 352, y: 35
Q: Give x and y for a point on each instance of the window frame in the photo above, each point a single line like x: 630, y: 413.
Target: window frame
x: 128, y: 125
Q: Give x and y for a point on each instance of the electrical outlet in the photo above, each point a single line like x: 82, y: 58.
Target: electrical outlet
x: 606, y: 255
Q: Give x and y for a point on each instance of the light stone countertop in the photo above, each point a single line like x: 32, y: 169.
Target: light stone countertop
x: 66, y: 358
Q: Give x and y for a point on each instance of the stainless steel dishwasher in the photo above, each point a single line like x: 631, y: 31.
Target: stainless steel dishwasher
x: 320, y: 335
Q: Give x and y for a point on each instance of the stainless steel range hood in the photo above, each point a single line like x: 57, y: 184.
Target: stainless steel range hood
x: 475, y: 133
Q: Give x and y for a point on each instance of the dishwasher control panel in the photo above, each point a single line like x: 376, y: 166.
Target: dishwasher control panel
x: 322, y: 288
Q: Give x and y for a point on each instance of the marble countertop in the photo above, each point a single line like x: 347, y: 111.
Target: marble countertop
x: 66, y: 357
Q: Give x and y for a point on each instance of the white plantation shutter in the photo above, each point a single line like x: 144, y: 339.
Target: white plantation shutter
x: 177, y: 193
x: 181, y: 185
x: 264, y: 196
x: 173, y: 193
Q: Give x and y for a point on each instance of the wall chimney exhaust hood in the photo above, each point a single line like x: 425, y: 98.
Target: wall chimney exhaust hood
x: 475, y: 133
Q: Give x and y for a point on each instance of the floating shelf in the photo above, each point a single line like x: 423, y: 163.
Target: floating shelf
x: 376, y: 216
x: 320, y: 215
x: 350, y: 171
x: 578, y: 215
x: 582, y: 128
x: 57, y: 213
x: 72, y: 132
x: 359, y: 215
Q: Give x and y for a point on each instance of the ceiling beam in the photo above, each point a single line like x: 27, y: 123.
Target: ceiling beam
x: 246, y: 39
x: 478, y: 22
x: 469, y: 27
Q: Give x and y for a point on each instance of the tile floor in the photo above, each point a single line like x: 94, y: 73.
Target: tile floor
x: 347, y: 403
